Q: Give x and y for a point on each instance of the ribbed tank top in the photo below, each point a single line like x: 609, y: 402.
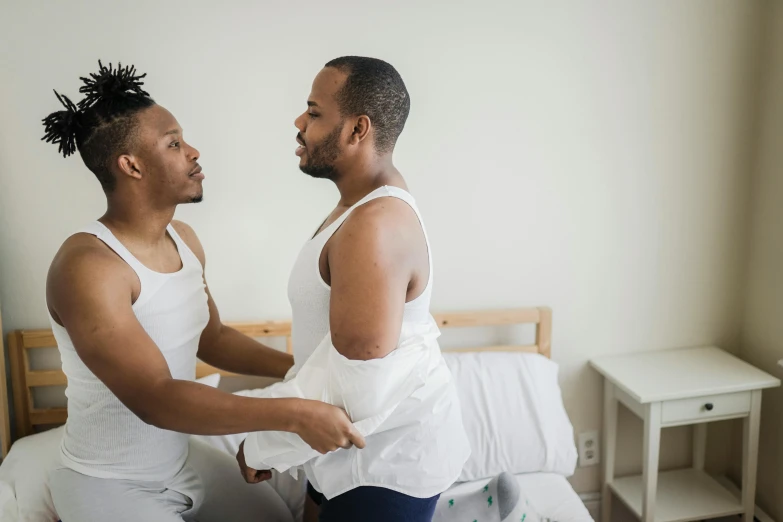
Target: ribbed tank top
x: 309, y: 295
x: 102, y: 437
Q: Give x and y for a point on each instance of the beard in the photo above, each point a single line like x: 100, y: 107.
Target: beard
x: 196, y: 196
x: 321, y: 157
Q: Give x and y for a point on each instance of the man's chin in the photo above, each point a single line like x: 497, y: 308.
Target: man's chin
x: 319, y: 172
x: 195, y: 198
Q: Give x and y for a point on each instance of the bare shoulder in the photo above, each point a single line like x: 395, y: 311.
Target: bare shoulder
x: 384, y: 228
x: 84, y: 251
x: 84, y: 262
x: 382, y: 215
x: 190, y: 238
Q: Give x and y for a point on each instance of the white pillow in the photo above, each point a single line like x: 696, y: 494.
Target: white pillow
x: 26, y: 469
x: 513, y: 413
x: 9, y: 512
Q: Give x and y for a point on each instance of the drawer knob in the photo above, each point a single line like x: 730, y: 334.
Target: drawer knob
x: 708, y: 406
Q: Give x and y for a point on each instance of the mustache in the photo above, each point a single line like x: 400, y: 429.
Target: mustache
x: 300, y: 139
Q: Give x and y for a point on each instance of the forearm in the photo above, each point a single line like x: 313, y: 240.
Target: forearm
x: 235, y: 352
x: 193, y: 408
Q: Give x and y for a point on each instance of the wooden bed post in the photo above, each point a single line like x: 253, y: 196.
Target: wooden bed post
x: 19, y: 382
x: 5, y: 420
x: 544, y: 332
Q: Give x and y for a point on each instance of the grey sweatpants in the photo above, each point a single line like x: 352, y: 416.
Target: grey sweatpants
x: 209, y: 488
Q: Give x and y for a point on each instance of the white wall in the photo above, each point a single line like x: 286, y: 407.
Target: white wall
x: 591, y: 157
x: 762, y: 339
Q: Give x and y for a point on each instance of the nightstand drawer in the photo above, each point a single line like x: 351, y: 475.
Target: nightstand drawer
x: 705, y: 408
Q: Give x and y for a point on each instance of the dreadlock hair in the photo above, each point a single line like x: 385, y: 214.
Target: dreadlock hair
x: 374, y: 88
x: 103, y: 123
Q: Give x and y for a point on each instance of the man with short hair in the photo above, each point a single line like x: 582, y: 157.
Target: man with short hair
x: 361, y: 287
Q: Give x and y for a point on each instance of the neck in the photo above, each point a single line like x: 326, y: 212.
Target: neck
x: 138, y: 223
x: 364, y: 177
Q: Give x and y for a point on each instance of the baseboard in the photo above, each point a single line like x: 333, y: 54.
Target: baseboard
x: 592, y: 501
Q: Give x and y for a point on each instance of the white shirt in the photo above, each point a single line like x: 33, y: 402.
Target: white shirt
x: 405, y: 404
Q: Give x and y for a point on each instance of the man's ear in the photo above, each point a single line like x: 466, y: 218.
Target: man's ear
x: 129, y: 166
x: 361, y: 129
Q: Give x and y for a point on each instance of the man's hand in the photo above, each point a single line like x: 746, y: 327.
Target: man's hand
x: 325, y: 427
x: 251, y: 476
x: 322, y: 426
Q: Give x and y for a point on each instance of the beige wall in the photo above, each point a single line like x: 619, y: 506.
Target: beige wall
x: 589, y: 156
x: 762, y: 339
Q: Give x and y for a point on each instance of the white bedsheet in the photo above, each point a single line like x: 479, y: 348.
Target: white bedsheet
x: 550, y: 495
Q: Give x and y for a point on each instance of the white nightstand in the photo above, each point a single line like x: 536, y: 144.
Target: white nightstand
x: 674, y: 388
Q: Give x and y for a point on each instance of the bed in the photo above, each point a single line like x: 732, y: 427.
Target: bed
x: 550, y: 495
x: 541, y: 473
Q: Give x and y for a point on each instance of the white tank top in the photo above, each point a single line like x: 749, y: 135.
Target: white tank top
x: 421, y: 448
x: 102, y: 437
x: 309, y: 295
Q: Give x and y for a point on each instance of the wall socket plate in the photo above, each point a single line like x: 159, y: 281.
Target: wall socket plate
x: 589, y: 448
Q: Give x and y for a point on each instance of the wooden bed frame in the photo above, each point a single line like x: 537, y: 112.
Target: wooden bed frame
x: 24, y: 379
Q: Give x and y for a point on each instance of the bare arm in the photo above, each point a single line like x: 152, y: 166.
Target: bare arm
x: 90, y: 293
x: 371, y: 265
x: 225, y: 348
x: 93, y: 301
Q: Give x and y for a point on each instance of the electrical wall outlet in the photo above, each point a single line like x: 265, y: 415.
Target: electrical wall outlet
x: 589, y: 449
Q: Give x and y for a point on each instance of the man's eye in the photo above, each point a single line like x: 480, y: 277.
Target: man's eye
x: 174, y: 144
x: 312, y: 115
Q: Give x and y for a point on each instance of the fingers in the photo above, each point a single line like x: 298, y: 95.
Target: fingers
x: 249, y: 474
x: 253, y: 476
x: 355, y: 438
x: 339, y: 432
x: 338, y: 442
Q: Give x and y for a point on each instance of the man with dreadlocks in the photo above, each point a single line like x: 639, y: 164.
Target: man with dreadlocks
x: 362, y: 330
x: 131, y: 312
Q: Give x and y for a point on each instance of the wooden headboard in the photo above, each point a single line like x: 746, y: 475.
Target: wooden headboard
x: 24, y: 379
